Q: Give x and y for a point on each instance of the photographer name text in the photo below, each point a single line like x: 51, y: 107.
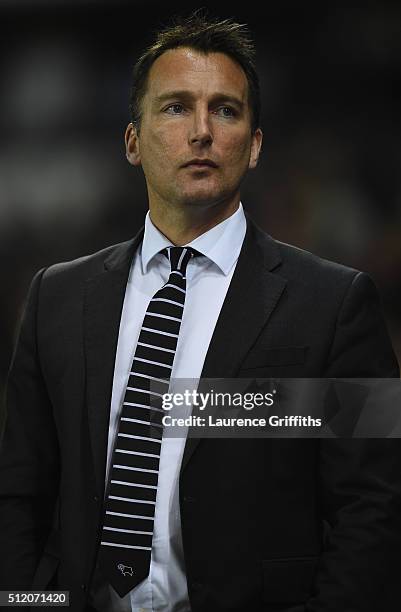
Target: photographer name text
x: 213, y: 421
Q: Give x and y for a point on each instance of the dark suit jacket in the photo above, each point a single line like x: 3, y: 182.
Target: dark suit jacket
x: 276, y: 524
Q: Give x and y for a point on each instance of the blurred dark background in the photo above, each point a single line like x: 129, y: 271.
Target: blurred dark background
x: 329, y: 179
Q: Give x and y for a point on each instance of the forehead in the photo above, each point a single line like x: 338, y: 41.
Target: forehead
x: 188, y: 69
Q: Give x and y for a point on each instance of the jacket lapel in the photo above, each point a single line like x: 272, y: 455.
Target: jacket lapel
x: 251, y: 298
x: 104, y: 299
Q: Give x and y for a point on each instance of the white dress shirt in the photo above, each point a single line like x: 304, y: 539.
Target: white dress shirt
x: 208, y: 279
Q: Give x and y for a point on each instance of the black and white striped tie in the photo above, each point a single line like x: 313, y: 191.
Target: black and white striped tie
x: 126, y: 542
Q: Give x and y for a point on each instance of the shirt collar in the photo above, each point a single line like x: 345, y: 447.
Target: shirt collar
x: 221, y: 244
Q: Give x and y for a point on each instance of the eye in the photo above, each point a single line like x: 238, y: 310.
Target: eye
x: 174, y: 109
x: 226, y: 111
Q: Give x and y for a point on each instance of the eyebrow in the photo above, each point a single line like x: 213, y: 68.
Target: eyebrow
x: 184, y: 94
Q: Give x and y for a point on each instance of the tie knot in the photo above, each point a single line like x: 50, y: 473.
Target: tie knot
x: 179, y: 257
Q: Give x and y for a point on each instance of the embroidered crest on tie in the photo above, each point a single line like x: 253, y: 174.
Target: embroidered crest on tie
x: 126, y: 542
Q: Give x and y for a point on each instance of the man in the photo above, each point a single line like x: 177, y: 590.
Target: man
x: 238, y: 524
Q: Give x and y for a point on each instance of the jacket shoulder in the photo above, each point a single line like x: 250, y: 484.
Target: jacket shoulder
x: 82, y: 268
x: 300, y: 260
x: 295, y: 263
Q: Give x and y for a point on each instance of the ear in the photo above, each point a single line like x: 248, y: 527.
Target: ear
x: 132, y: 145
x: 256, y: 146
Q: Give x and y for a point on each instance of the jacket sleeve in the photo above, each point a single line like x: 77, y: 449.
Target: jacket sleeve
x: 29, y: 458
x: 360, y: 479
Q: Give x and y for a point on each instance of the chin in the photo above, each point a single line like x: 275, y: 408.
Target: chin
x: 199, y: 202
x: 204, y: 197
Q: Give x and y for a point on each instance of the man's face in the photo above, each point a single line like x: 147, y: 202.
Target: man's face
x: 195, y: 109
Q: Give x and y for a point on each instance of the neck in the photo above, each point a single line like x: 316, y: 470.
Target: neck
x: 182, y: 225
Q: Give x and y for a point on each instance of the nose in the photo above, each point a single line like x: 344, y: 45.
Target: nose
x: 200, y: 131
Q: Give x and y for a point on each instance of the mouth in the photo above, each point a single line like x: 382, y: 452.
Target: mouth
x: 201, y: 164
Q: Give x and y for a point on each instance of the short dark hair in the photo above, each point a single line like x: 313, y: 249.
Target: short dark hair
x: 205, y: 35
